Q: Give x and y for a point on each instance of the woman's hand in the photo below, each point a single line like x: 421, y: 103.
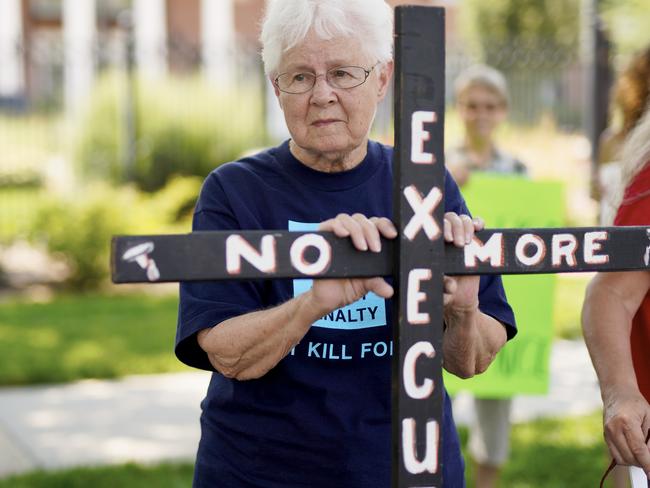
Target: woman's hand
x: 461, y: 292
x: 365, y: 234
x: 626, y: 418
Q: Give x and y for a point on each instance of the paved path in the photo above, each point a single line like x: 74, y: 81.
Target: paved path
x: 573, y: 389
x: 140, y: 418
x: 153, y: 418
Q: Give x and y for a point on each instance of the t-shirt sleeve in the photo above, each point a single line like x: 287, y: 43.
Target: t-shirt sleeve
x: 204, y: 304
x: 491, y: 296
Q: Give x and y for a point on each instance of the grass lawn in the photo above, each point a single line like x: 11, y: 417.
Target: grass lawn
x: 125, y: 476
x: 563, y: 453
x: 99, y: 336
x: 92, y: 336
x: 554, y: 453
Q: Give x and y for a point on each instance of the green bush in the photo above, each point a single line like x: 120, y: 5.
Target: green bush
x: 18, y: 205
x: 182, y: 126
x: 79, y: 228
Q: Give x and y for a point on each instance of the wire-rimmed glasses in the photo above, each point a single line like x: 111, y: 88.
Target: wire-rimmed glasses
x: 343, y: 77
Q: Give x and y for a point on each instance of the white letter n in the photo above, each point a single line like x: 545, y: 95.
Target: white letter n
x: 237, y: 247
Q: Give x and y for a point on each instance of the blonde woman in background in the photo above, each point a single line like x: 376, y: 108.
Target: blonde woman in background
x: 616, y: 322
x: 630, y: 95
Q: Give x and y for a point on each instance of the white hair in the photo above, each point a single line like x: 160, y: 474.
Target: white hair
x: 635, y: 154
x: 287, y: 23
x: 482, y: 75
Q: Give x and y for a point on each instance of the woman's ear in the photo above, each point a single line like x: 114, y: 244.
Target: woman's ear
x: 384, y: 76
x: 275, y: 90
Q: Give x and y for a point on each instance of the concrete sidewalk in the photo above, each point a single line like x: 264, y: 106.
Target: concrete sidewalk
x: 573, y: 389
x: 155, y: 418
x: 139, y: 418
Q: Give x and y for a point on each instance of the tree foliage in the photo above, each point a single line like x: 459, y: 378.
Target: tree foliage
x: 499, y: 26
x: 627, y: 24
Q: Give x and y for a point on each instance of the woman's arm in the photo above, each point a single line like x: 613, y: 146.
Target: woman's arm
x: 471, y: 339
x: 248, y: 346
x: 611, y: 301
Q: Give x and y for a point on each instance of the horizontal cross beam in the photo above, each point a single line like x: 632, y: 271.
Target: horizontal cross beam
x: 245, y: 255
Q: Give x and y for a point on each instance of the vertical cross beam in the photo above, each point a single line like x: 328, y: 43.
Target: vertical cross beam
x: 419, y: 206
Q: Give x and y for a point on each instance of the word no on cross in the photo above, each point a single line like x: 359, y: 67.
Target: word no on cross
x: 417, y: 259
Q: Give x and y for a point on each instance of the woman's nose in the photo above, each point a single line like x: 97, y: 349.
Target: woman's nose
x: 322, y: 92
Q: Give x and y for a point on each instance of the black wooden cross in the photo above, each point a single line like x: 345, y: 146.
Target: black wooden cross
x: 417, y: 259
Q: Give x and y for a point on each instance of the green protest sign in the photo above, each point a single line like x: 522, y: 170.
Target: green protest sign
x: 522, y: 365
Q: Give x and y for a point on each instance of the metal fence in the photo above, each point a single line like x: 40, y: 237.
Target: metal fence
x: 542, y: 80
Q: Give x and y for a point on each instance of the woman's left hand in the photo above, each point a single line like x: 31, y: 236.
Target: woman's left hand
x: 461, y: 292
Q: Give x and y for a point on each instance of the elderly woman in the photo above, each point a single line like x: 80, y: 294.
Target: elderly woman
x: 300, y: 395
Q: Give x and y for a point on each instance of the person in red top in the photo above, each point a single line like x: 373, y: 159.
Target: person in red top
x: 616, y: 320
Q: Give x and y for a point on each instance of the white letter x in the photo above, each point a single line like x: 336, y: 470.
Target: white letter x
x: 423, y: 216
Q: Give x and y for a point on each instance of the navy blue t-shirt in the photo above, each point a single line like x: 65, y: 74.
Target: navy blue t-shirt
x: 321, y: 417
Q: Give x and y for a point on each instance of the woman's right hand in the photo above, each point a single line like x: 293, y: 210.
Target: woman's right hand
x: 626, y: 419
x: 365, y: 234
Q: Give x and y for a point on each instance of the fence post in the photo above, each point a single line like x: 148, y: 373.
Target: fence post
x: 599, y: 80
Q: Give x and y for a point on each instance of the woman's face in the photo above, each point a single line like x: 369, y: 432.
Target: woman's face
x: 481, y: 110
x: 331, y: 122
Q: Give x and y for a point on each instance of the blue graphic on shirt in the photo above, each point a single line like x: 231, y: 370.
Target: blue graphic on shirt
x: 370, y: 311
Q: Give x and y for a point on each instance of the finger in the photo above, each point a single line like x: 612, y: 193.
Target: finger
x: 615, y: 433
x: 380, y: 287
x: 637, y: 446
x: 479, y: 224
x: 370, y: 231
x: 385, y: 226
x: 615, y: 454
x: 334, y: 225
x: 468, y: 228
x: 356, y: 232
x: 457, y: 229
x: 645, y: 431
x: 450, y: 285
x: 449, y: 236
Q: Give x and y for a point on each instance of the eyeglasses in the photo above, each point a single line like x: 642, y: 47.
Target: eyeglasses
x: 488, y: 107
x: 343, y: 77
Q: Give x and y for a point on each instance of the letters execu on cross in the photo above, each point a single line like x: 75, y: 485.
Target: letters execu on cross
x: 417, y: 259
